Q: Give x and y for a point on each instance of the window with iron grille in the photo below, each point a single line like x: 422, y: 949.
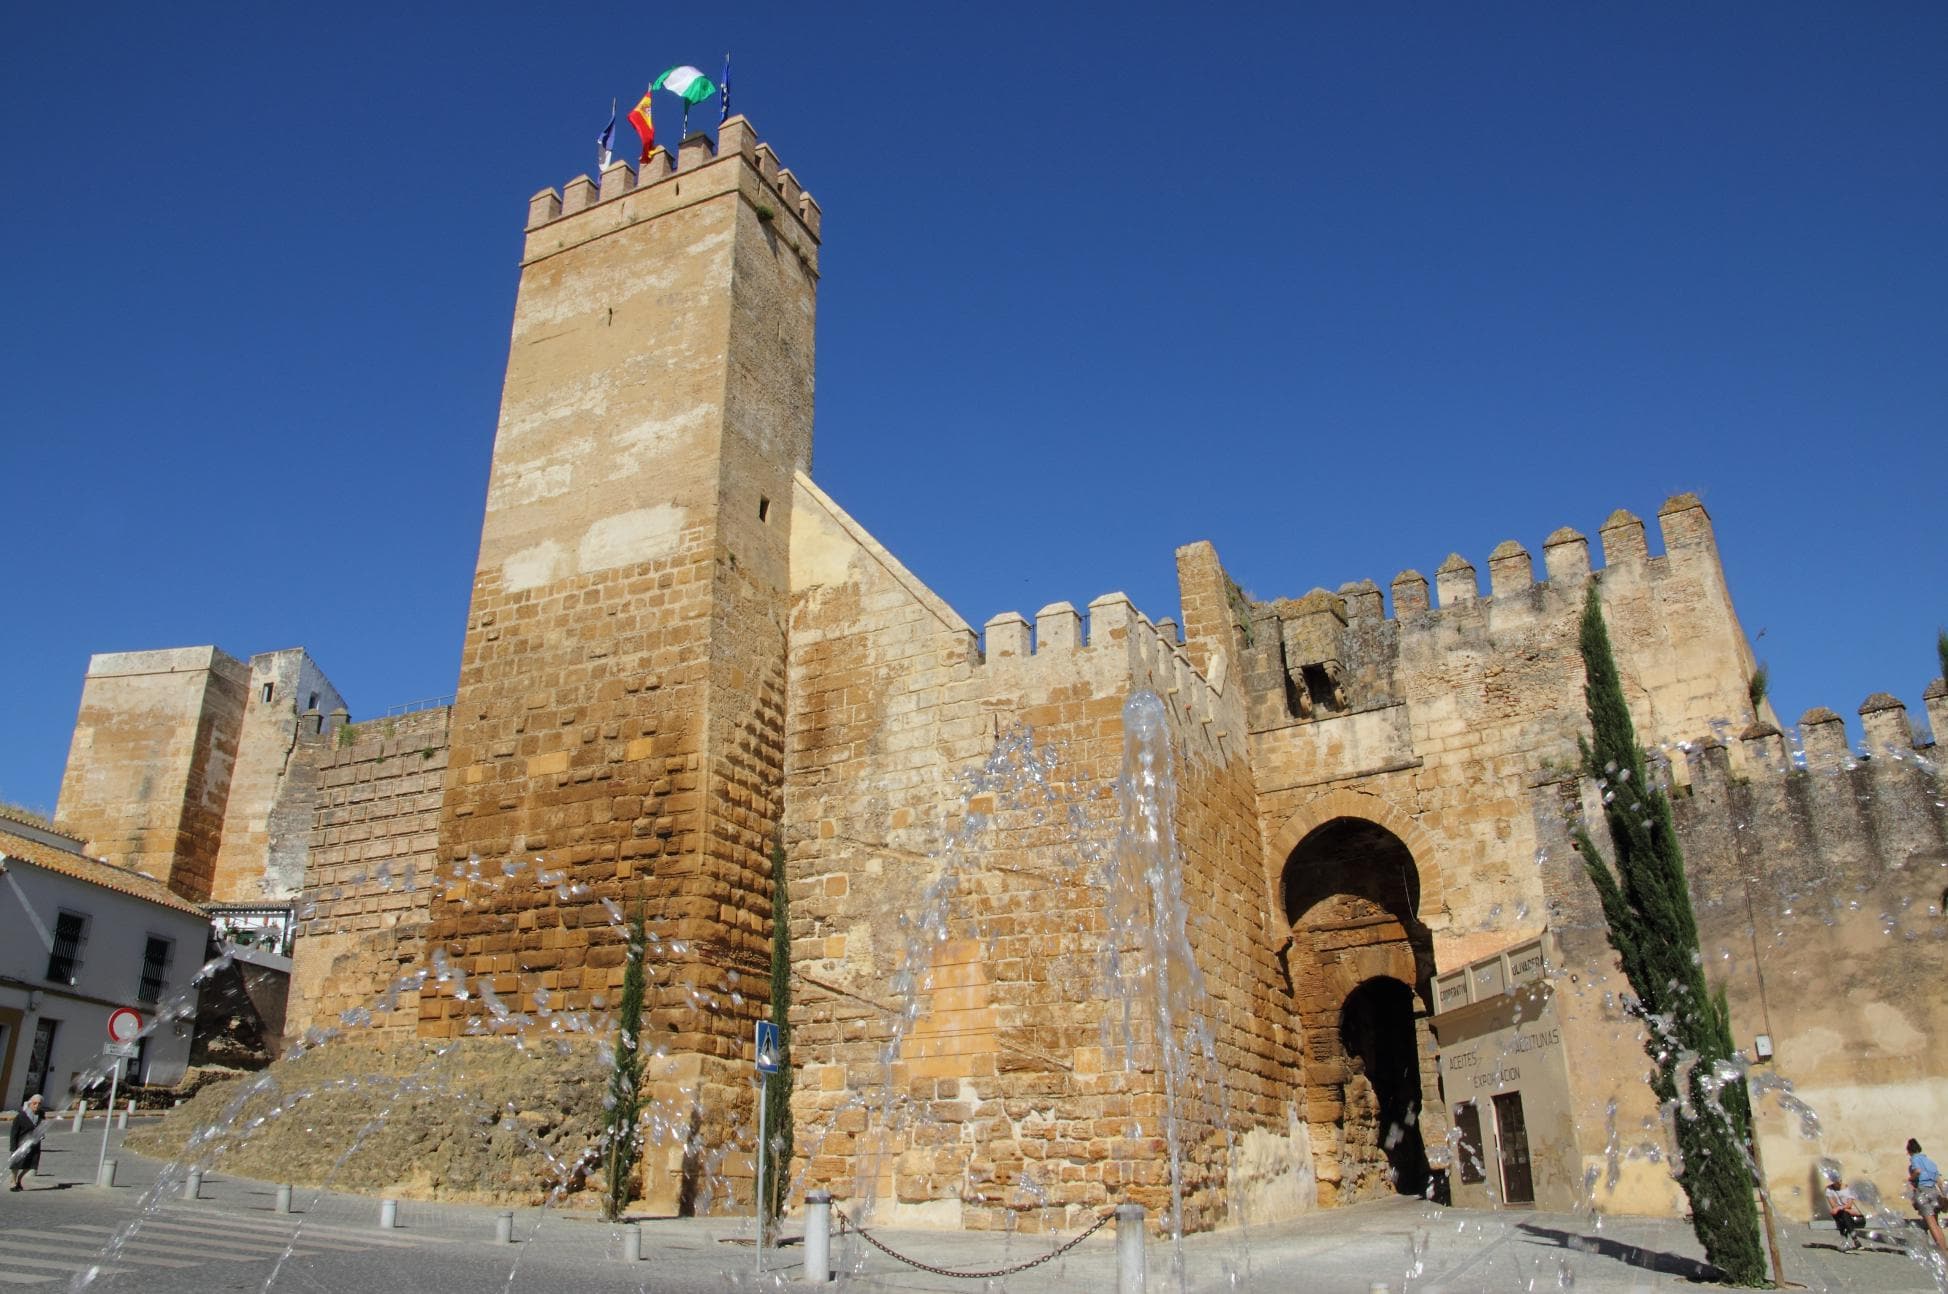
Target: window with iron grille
x: 70, y: 933
x: 155, y: 969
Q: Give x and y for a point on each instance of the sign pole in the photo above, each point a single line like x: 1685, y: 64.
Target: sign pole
x: 765, y: 1052
x: 124, y: 1025
x: 114, y: 1082
x: 764, y: 1092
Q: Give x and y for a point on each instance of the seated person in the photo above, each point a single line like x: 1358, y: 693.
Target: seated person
x: 1846, y: 1211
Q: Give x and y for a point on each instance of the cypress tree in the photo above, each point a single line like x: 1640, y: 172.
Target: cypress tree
x: 626, y: 1080
x: 1647, y: 907
x: 777, y: 1097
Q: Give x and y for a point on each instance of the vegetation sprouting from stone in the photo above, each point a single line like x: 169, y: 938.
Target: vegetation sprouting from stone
x: 1941, y: 649
x: 1756, y: 686
x: 1240, y: 608
x: 777, y: 1097
x: 1647, y: 906
x: 626, y: 1080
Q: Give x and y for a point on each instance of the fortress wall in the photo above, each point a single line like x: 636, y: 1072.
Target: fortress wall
x: 892, y: 714
x: 149, y: 768
x: 1819, y: 891
x: 374, y: 869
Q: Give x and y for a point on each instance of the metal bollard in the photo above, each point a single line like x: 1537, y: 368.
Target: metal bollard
x: 632, y: 1243
x: 193, y: 1188
x: 388, y: 1214
x: 504, y: 1229
x: 1130, y: 1275
x: 105, y: 1175
x: 818, y: 1236
x: 80, y: 1112
x: 122, y: 1117
x: 283, y: 1199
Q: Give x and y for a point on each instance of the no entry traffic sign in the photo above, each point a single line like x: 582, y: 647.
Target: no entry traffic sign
x: 124, y: 1024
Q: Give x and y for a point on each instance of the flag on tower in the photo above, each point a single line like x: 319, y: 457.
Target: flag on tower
x: 723, y: 91
x: 686, y: 83
x: 605, y: 142
x: 639, y: 117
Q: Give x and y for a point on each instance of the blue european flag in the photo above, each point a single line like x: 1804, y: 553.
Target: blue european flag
x: 605, y: 142
x: 723, y: 91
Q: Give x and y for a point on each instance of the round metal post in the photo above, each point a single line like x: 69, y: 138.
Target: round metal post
x: 504, y: 1229
x: 193, y: 1188
x: 122, y: 1116
x: 818, y: 1236
x: 105, y: 1173
x: 80, y: 1112
x: 632, y: 1243
x: 283, y: 1199
x: 1130, y: 1276
x: 388, y: 1214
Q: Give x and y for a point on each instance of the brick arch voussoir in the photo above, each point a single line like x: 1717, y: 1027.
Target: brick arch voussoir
x: 1346, y: 803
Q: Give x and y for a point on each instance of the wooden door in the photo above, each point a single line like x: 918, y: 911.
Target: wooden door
x: 1512, y: 1135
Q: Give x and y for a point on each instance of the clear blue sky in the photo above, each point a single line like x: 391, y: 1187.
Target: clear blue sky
x: 1341, y: 288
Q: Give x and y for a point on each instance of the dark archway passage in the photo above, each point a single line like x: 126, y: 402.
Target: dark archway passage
x: 1362, y: 964
x: 1376, y: 1028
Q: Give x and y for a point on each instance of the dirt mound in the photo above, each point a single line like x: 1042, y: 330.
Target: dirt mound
x: 477, y: 1119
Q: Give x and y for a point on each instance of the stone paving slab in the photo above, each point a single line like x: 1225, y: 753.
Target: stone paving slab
x: 1400, y: 1246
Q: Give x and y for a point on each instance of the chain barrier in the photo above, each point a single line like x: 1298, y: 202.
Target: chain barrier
x: 875, y: 1242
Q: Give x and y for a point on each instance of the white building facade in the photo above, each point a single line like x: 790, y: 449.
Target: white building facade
x: 79, y: 939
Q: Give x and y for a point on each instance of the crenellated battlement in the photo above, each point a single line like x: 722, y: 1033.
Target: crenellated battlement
x: 1061, y: 643
x: 623, y: 195
x: 1819, y: 742
x: 1682, y: 522
x: 1339, y: 686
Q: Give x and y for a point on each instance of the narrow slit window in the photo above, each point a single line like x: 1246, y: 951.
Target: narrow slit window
x: 764, y: 508
x: 268, y: 687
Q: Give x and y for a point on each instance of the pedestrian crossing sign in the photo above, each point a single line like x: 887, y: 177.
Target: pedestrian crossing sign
x: 767, y: 1048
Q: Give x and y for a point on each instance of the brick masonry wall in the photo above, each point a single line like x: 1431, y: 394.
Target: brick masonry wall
x: 363, y: 912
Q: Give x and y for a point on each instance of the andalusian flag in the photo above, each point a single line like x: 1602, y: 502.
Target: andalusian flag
x: 645, y: 126
x: 687, y: 84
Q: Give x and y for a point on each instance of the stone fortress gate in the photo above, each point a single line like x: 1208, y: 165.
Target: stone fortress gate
x: 681, y: 653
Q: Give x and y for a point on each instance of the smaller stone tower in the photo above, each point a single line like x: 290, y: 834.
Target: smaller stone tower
x: 148, y: 775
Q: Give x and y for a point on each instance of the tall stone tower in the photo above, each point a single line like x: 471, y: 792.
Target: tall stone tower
x: 620, y: 709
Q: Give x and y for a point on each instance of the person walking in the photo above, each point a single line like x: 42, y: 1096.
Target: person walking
x: 1846, y: 1211
x: 24, y: 1142
x: 1924, y: 1177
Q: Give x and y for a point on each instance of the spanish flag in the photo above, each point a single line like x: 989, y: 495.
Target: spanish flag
x: 639, y: 117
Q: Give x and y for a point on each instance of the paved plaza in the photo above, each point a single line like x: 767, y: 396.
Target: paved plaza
x: 230, y: 1238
